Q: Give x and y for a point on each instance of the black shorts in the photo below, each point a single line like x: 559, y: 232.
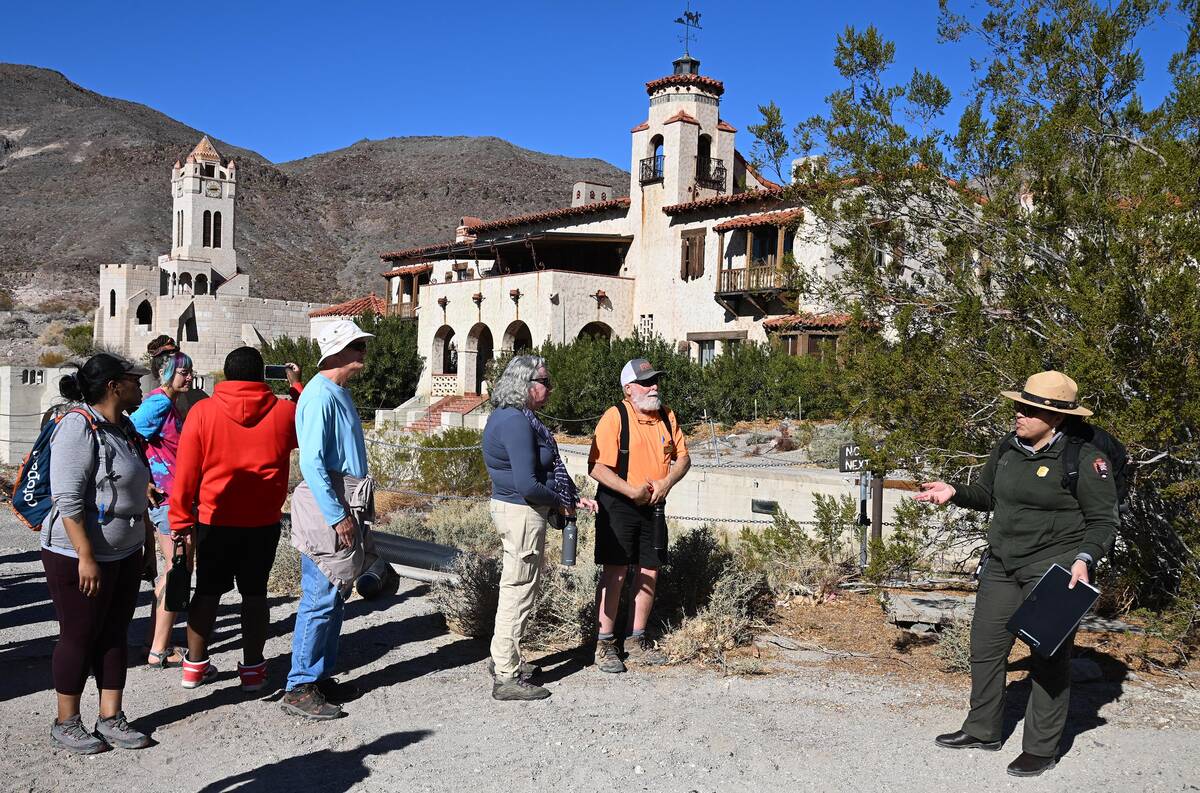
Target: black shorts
x: 625, y: 533
x: 226, y: 553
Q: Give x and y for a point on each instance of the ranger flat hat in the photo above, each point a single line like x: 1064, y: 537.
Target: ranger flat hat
x: 1051, y: 391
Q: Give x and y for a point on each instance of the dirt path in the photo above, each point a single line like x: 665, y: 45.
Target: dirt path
x: 426, y: 722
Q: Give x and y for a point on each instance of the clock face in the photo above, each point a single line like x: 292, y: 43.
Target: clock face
x: 212, y: 189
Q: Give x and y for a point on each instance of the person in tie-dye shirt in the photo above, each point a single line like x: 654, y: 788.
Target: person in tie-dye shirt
x: 159, y: 422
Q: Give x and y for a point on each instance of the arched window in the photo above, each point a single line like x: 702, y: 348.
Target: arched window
x: 216, y: 230
x: 24, y: 377
x: 207, y: 229
x: 185, y: 282
x: 145, y: 314
x: 202, y: 284
x: 112, y: 302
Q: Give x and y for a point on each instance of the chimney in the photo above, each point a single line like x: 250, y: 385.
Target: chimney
x: 584, y: 193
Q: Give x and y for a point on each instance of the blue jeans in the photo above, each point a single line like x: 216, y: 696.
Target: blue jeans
x: 318, y: 627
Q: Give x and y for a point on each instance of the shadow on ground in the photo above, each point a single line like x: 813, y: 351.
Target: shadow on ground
x: 338, y: 771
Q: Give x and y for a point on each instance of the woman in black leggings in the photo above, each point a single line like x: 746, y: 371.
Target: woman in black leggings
x: 94, y: 544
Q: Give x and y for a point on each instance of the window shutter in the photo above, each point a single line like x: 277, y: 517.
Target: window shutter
x: 698, y: 257
x: 684, y: 263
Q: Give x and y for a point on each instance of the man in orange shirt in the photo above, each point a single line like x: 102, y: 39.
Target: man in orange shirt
x: 638, y: 454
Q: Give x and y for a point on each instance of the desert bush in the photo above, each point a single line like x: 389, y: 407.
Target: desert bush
x: 78, y: 339
x: 462, y: 524
x: 740, y: 598
x: 460, y: 472
x: 810, y: 561
x: 53, y: 335
x: 696, y: 561
x: 6, y: 301
x: 565, y: 614
x: 954, y: 647
x: 406, y: 523
x: 51, y: 358
x: 469, y: 606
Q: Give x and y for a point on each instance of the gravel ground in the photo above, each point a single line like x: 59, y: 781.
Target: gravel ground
x: 426, y: 723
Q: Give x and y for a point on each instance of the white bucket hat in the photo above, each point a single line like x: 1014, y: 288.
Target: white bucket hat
x: 336, y: 336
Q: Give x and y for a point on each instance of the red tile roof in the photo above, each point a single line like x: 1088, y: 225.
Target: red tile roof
x: 725, y: 126
x: 641, y: 127
x: 732, y: 199
x: 420, y: 250
x: 779, y: 218
x: 704, y: 83
x: 470, y: 221
x: 758, y: 177
x: 807, y: 321
x: 682, y: 116
x: 206, y: 151
x: 353, y: 308
x: 410, y: 269
x: 552, y: 214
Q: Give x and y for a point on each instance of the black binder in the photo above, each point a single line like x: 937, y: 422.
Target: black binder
x: 1051, y: 611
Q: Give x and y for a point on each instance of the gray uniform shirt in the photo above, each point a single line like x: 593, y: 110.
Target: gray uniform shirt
x: 83, y: 488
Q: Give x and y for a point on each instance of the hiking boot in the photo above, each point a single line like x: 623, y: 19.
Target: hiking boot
x: 524, y: 671
x: 307, y: 700
x: 254, y: 676
x: 116, y: 731
x: 607, y: 657
x: 338, y: 693
x: 517, y: 689
x: 197, y: 673
x: 71, y: 735
x: 641, y: 650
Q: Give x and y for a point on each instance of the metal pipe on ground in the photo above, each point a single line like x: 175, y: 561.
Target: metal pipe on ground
x: 416, y: 559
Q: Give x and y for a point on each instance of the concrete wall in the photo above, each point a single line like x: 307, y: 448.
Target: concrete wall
x: 25, y: 393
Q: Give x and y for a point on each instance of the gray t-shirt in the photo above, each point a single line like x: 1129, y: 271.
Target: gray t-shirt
x: 109, y: 498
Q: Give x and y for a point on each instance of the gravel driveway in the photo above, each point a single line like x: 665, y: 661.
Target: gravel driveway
x: 426, y: 721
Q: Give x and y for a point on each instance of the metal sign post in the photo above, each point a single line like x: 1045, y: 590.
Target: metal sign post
x: 864, y: 493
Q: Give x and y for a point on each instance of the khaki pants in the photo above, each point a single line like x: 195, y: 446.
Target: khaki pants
x: 523, y: 531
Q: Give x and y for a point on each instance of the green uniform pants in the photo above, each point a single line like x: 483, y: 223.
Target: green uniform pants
x: 1001, y: 591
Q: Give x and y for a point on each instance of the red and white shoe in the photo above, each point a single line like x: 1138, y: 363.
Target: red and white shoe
x: 254, y: 677
x: 196, y: 673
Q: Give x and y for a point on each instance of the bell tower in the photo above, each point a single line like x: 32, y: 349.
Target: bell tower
x: 203, y: 192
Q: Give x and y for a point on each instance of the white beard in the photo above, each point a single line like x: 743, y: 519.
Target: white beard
x: 647, y: 404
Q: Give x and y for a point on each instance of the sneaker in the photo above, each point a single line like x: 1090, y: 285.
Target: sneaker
x: 197, y: 673
x: 307, y: 700
x: 641, y: 650
x: 254, y: 676
x: 71, y: 735
x: 117, y: 732
x: 525, y: 671
x: 336, y: 692
x: 607, y: 657
x: 517, y: 689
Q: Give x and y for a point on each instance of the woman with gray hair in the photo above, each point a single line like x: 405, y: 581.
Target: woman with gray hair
x: 529, y: 484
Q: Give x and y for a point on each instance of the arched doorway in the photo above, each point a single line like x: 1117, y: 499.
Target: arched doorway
x: 185, y: 283
x: 444, y: 356
x: 517, y: 338
x: 596, y: 330
x: 478, y: 352
x: 202, y: 282
x: 145, y: 314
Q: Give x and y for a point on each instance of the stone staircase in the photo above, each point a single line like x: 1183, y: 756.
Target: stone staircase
x: 432, y: 419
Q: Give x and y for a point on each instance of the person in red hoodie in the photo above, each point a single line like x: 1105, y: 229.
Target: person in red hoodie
x: 231, y: 479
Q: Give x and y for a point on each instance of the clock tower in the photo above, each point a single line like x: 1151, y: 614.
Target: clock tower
x: 203, y: 191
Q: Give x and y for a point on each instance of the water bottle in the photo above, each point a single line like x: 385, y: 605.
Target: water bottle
x: 660, y: 526
x: 570, y: 539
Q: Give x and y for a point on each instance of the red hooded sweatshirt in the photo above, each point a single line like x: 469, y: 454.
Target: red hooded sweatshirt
x: 232, y: 465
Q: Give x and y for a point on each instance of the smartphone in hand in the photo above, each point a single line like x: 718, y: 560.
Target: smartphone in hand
x: 275, y: 372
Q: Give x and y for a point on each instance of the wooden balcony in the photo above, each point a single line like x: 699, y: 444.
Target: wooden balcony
x: 762, y: 276
x: 402, y: 310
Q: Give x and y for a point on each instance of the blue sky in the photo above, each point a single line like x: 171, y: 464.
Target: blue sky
x: 299, y: 78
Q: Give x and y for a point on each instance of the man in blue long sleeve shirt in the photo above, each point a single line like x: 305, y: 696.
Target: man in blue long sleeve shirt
x: 332, y: 449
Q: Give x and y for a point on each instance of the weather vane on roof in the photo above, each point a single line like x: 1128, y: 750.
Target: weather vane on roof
x: 690, y: 21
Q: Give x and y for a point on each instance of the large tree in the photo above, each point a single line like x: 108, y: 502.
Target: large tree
x: 1053, y: 224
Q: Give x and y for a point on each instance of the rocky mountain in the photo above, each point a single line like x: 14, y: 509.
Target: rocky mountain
x: 84, y: 180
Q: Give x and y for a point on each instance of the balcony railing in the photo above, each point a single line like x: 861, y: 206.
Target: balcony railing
x: 710, y: 173
x: 757, y: 278
x: 652, y: 169
x: 402, y: 310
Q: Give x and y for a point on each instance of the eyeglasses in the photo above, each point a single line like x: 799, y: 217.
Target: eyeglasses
x: 647, y: 383
x: 545, y: 381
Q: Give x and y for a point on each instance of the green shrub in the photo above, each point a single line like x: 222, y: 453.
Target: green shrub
x: 462, y: 524
x: 905, y: 548
x: 812, y: 561
x: 458, y: 472
x: 78, y: 339
x: 695, y: 563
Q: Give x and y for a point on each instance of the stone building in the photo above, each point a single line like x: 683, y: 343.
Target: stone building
x: 197, y: 293
x: 698, y: 253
